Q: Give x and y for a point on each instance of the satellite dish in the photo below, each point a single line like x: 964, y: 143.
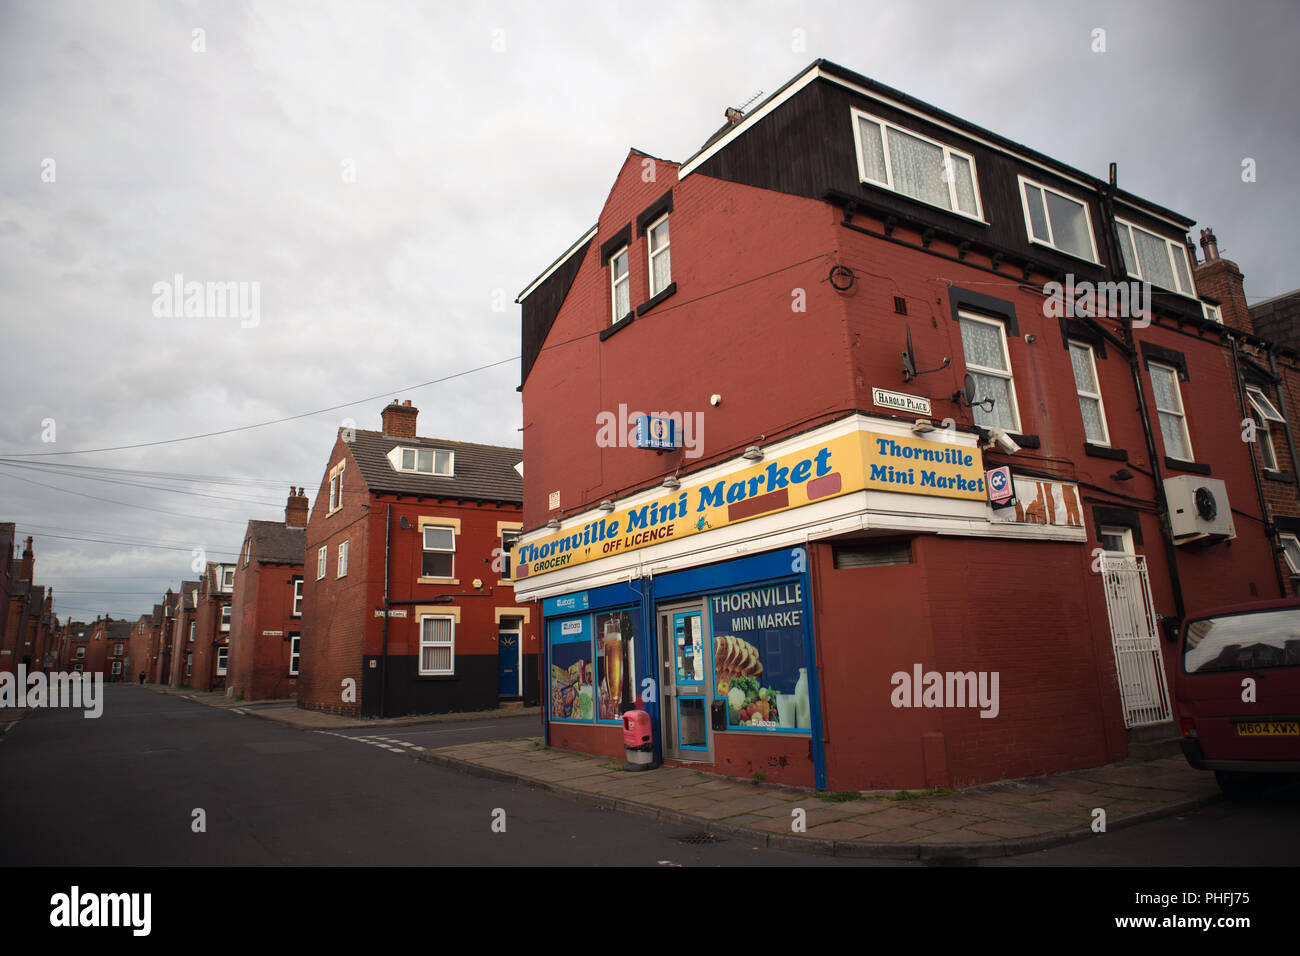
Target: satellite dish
x: 406, y: 525
x: 968, y: 389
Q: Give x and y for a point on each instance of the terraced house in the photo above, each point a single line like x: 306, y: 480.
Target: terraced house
x: 409, y: 603
x: 926, y: 441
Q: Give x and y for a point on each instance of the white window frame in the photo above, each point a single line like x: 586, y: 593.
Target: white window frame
x: 297, y: 598
x: 227, y: 586
x: 1180, y: 411
x: 615, y: 281
x: 397, y: 457
x: 1212, y: 312
x: 193, y: 629
x: 189, y: 663
x: 450, y: 619
x: 1170, y: 245
x: 81, y: 652
x: 1125, y: 534
x: 334, y: 493
x: 341, y: 565
x: 118, y: 648
x: 79, y: 667
x: 652, y: 254
x: 223, y: 657
x: 1264, y: 412
x: 295, y: 654
x: 948, y: 153
x: 117, y: 667
x: 248, y: 548
x: 425, y: 549
x: 336, y: 487
x: 225, y: 617
x: 507, y: 569
x: 1101, y: 405
x: 322, y: 561
x: 1029, y: 224
x: 1009, y: 374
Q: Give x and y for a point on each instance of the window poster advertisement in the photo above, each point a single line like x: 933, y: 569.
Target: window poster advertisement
x: 616, y: 636
x: 572, y: 690
x: 759, y: 659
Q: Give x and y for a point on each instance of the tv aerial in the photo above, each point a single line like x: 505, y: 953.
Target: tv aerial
x: 909, y: 361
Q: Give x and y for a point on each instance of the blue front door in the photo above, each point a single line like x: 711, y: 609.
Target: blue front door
x: 508, y: 663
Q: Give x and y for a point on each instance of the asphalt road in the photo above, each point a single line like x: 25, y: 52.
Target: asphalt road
x: 122, y: 790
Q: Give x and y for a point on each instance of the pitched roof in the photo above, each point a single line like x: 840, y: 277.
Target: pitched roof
x: 119, y: 630
x: 277, y: 544
x: 189, y: 590
x: 483, y: 472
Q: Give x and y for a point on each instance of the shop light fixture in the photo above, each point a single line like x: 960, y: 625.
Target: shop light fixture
x: 553, y: 525
x: 607, y: 506
x: 672, y: 482
x: 1122, y: 475
x: 753, y: 453
x: 921, y: 426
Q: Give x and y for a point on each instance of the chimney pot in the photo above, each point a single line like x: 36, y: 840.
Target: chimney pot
x: 399, y: 419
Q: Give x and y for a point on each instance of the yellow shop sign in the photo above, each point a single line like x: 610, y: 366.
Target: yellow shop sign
x: 856, y: 462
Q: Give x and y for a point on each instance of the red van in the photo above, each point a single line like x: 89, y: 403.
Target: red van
x: 1238, y: 694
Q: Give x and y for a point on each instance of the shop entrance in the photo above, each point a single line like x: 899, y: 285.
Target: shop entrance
x: 685, y: 653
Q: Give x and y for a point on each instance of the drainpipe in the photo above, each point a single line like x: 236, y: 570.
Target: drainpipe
x: 383, y: 660
x: 1286, y: 425
x: 1110, y: 236
x: 1254, y: 468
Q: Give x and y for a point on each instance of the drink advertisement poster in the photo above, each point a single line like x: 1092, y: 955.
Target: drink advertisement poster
x: 759, y: 657
x: 616, y: 636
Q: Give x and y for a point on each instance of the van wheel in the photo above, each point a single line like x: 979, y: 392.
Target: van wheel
x: 1242, y: 787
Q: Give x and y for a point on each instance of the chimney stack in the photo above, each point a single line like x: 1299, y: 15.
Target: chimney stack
x: 733, y: 115
x: 295, y: 509
x: 399, y: 420
x: 1220, y: 279
x: 28, y: 561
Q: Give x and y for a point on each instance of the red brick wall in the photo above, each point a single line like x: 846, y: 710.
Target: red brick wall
x: 263, y: 601
x: 335, y: 611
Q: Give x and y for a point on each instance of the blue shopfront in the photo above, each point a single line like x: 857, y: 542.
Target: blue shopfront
x: 721, y: 656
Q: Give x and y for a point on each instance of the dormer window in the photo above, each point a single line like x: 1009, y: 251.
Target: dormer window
x: 227, y: 578
x: 905, y: 162
x: 1155, y: 259
x: 423, y: 461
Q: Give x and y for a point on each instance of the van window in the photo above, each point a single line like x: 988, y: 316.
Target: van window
x: 1238, y: 642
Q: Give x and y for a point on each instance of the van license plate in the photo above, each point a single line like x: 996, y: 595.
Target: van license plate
x: 1269, y: 728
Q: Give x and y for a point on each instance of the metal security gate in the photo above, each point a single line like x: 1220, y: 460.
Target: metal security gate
x: 1133, y: 632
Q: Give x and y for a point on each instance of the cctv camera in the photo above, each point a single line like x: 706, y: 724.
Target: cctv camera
x: 715, y: 399
x: 1003, y: 441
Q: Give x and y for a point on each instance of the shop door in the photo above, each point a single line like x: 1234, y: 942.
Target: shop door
x: 508, y: 635
x: 685, y: 653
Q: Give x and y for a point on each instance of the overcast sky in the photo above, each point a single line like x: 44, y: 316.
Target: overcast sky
x: 391, y: 175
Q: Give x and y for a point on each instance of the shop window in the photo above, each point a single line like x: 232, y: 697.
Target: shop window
x: 872, y: 554
x: 760, y: 662
x: 616, y: 636
x: 573, y: 692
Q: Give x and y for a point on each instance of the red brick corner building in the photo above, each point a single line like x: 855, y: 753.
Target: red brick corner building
x: 409, y: 605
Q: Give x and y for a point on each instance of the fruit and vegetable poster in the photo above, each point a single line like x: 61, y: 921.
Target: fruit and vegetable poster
x: 759, y: 659
x: 572, y: 670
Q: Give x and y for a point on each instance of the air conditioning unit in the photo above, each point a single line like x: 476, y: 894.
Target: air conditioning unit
x: 1198, y: 509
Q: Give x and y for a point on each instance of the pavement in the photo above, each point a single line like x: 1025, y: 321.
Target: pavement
x: 1006, y: 818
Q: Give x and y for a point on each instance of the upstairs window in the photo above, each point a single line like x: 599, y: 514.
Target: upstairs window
x: 295, y: 653
x: 1054, y: 219
x: 227, y: 579
x: 508, y: 540
x: 320, y: 563
x: 908, y: 163
x: 297, y: 597
x: 439, y: 558
x: 1155, y: 259
x: 342, y: 563
x: 192, y: 624
x: 984, y: 343
x: 1169, y: 406
x: 248, y: 547
x: 225, y: 617
x: 661, y: 272
x: 620, y: 285
x: 1264, y: 412
x: 336, y: 488
x: 424, y: 461
x: 1084, y: 363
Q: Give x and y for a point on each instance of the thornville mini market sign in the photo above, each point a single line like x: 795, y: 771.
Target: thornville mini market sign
x: 862, y: 461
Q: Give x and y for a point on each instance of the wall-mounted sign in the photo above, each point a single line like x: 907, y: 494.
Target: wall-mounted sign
x: 379, y: 612
x: 1042, y: 501
x: 654, y: 431
x: 861, y: 461
x: 565, y: 604
x: 1002, y: 491
x: 912, y: 404
x: 273, y: 633
x: 571, y: 627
